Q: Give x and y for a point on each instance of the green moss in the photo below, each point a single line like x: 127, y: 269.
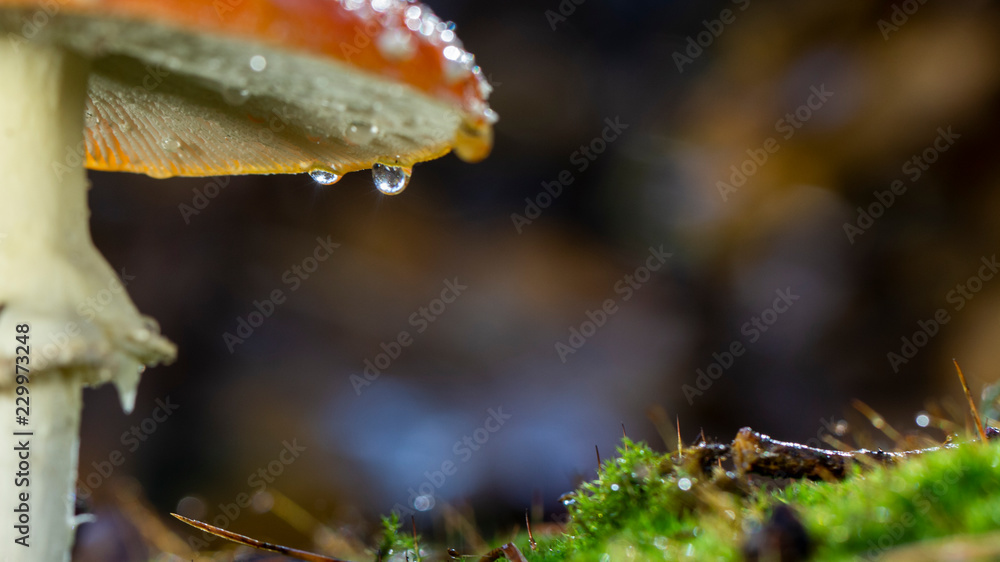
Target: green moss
x: 638, y: 509
x: 395, y: 542
x: 951, y: 492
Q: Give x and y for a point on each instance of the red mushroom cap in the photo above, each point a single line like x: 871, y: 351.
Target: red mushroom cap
x: 203, y: 87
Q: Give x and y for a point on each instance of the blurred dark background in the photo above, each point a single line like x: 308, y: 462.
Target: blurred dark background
x: 691, y: 114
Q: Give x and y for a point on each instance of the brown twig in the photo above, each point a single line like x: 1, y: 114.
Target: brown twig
x: 416, y: 544
x: 972, y: 403
x: 531, y: 538
x: 756, y: 453
x: 680, y: 443
x: 241, y: 539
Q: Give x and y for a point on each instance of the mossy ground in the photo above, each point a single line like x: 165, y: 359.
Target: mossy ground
x: 642, y: 506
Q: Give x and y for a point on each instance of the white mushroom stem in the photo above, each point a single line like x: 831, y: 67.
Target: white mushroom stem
x: 50, y: 277
x: 51, y: 469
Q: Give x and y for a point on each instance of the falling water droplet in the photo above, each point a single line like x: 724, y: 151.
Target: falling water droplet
x: 390, y: 180
x: 170, y: 144
x: 324, y: 176
x: 360, y: 133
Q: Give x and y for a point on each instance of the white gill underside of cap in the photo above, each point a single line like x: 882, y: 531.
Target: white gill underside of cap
x: 167, y: 102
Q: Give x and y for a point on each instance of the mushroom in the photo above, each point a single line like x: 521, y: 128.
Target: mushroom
x: 180, y: 88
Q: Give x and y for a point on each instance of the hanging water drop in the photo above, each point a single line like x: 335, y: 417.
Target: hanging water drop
x: 324, y: 176
x: 390, y: 180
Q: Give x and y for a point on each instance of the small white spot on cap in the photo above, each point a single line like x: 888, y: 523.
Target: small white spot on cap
x: 395, y: 44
